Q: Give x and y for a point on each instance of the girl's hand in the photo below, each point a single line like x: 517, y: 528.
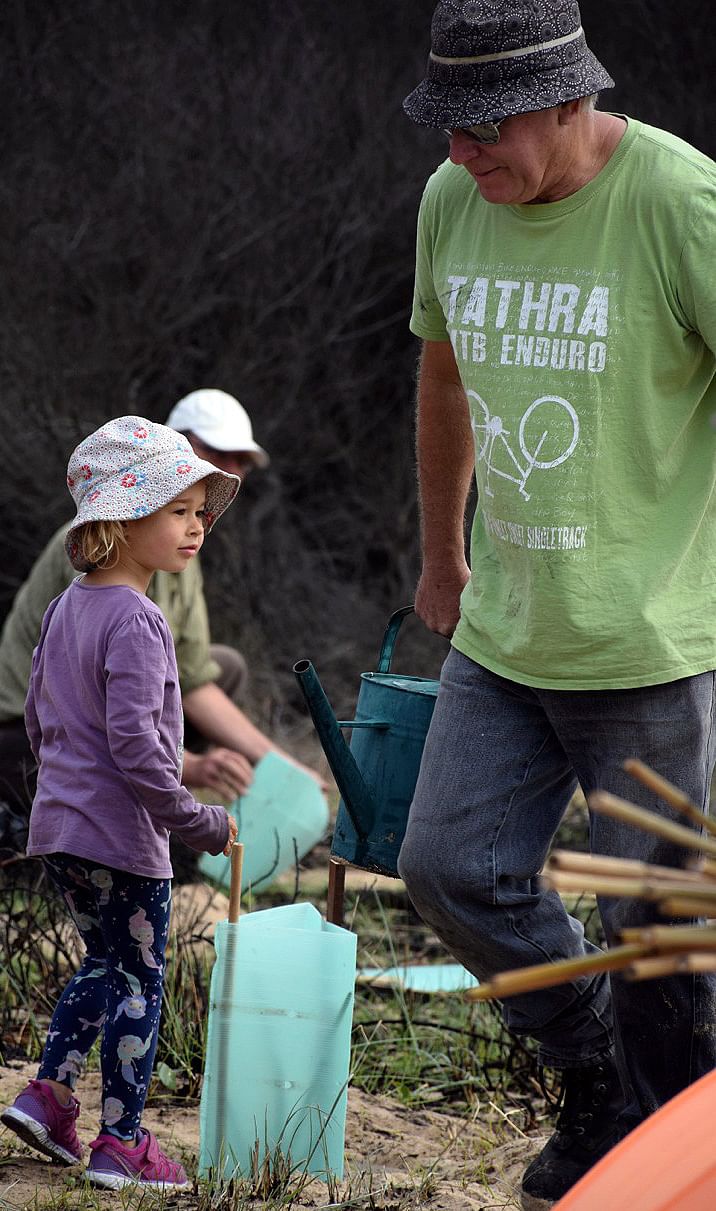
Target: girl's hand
x: 233, y: 834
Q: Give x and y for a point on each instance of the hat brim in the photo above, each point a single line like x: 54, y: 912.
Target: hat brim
x: 226, y: 446
x: 258, y: 454
x: 467, y: 98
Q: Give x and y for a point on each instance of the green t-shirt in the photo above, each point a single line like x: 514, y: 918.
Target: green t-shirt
x: 584, y: 332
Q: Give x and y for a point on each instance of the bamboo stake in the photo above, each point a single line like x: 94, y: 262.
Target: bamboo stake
x: 696, y: 962
x: 637, y: 889
x: 650, y: 952
x: 563, y: 881
x: 673, y: 937
x: 222, y: 1007
x: 655, y: 968
x: 629, y: 813
x: 669, y: 793
x: 545, y: 975
x: 703, y: 866
x: 671, y: 965
x: 598, y: 864
x: 237, y: 861
x: 694, y: 905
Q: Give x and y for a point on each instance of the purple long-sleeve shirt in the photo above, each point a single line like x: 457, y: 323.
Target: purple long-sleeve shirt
x: 105, y: 722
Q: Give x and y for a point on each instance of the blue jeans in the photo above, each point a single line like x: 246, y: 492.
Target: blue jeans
x: 123, y: 920
x: 500, y: 765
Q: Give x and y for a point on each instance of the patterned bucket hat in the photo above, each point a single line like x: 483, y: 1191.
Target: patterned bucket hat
x: 490, y: 59
x: 132, y: 467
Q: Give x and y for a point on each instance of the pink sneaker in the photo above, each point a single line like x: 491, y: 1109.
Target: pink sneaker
x: 41, y: 1121
x: 114, y: 1165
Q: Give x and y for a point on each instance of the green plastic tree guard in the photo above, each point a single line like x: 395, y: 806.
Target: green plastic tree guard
x: 280, y: 818
x: 278, y: 1047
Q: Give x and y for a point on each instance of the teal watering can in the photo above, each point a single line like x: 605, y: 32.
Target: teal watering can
x: 377, y: 774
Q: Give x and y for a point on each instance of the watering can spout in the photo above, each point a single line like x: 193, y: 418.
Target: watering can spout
x: 378, y: 773
x: 359, y: 801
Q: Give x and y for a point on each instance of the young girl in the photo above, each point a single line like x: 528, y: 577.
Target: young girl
x: 104, y: 718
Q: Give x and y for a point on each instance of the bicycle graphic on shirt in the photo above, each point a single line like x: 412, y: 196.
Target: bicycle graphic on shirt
x: 547, y: 435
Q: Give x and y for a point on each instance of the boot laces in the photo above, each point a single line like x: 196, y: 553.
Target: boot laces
x: 583, y: 1098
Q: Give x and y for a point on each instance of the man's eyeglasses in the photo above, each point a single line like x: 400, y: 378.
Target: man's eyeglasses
x: 485, y: 132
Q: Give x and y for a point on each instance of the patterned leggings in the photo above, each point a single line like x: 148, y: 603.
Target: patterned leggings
x: 123, y: 920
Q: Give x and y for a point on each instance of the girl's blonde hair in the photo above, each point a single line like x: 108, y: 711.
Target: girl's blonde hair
x: 99, y: 542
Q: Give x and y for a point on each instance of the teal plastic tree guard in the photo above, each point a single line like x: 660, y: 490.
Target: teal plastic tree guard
x: 278, y: 1047
x: 420, y: 977
x: 280, y: 818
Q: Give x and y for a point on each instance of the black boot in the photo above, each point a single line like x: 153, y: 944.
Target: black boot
x: 586, y: 1130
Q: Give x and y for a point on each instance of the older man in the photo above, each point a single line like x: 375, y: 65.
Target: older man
x: 223, y: 744
x: 567, y: 304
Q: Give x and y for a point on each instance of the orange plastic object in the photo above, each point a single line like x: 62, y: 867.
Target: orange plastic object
x: 668, y: 1163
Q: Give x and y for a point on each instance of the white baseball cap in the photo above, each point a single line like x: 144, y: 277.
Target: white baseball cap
x: 218, y: 420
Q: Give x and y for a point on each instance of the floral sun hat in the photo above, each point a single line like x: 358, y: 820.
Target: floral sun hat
x: 490, y: 59
x: 132, y: 467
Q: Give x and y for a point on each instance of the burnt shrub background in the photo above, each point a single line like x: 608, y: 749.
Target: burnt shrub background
x: 225, y: 195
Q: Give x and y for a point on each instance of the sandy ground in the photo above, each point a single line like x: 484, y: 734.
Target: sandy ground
x: 398, y: 1159
x: 406, y: 1158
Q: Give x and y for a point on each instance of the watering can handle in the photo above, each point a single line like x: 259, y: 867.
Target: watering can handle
x: 391, y: 634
